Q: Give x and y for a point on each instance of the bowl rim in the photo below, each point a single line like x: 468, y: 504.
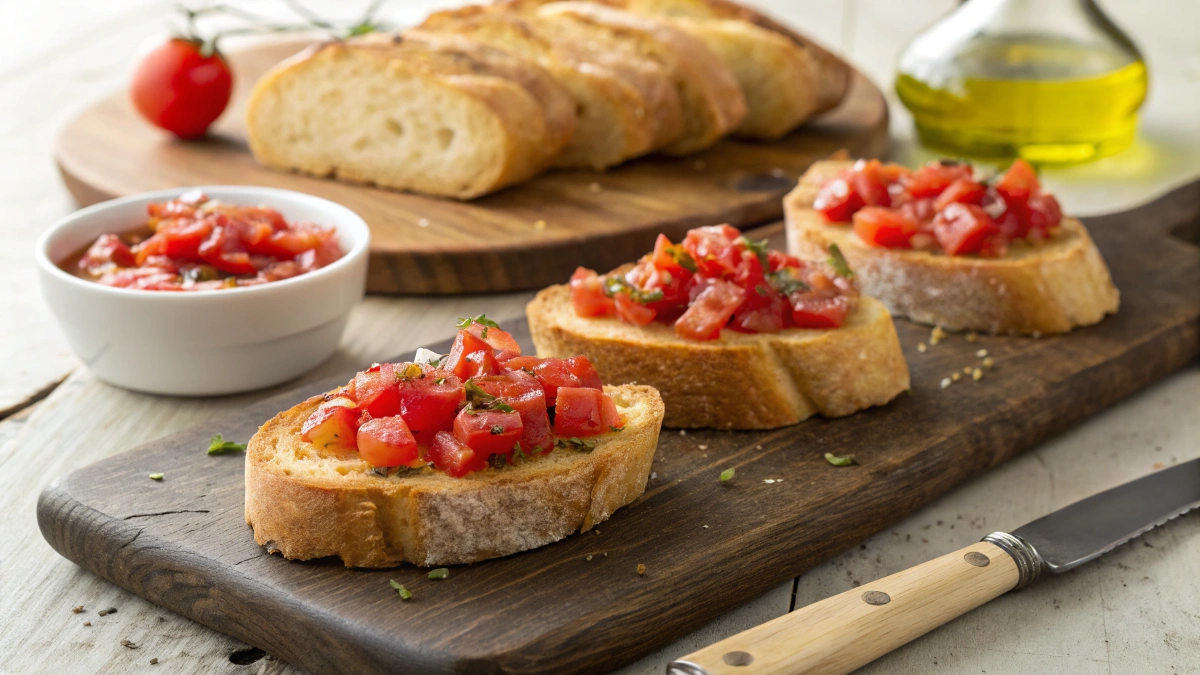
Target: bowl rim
x: 355, y: 225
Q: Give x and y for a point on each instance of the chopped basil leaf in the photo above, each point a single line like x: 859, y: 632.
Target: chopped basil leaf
x: 683, y: 258
x: 838, y: 261
x: 497, y: 461
x: 585, y: 444
x: 440, y: 380
x: 217, y: 445
x: 618, y: 284
x: 727, y: 474
x: 839, y: 461
x: 762, y: 290
x: 497, y: 429
x: 502, y: 407
x: 403, y: 592
x: 612, y: 428
x: 439, y: 574
x: 480, y: 319
x: 156, y: 476
x: 479, y: 400
x: 758, y: 248
x: 784, y: 281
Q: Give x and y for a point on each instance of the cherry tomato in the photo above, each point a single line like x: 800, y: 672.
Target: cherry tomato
x: 178, y: 89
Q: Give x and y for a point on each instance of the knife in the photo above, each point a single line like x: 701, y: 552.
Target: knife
x: 847, y: 631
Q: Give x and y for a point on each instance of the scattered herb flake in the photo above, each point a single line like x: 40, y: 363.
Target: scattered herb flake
x: 440, y: 380
x: 106, y: 612
x: 497, y: 461
x: 839, y: 461
x: 217, y: 445
x: 784, y: 281
x: 838, y: 261
x: 439, y: 574
x: 480, y: 319
x: 128, y: 645
x: 683, y: 258
x: 727, y: 474
x: 497, y: 429
x: 615, y: 429
x: 585, y: 444
x: 618, y: 284
x: 403, y: 592
x: 758, y: 248
x: 156, y: 476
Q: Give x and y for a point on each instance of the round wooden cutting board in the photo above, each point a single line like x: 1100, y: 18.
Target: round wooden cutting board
x: 527, y: 236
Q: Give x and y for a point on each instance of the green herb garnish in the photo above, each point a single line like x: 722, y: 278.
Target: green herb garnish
x: 403, y: 592
x: 497, y: 461
x: 683, y: 258
x: 497, y: 429
x: 762, y: 290
x: 612, y: 428
x: 409, y: 371
x: 156, y: 476
x: 584, y: 444
x: 727, y: 474
x: 479, y: 400
x: 482, y: 320
x: 758, y: 248
x: 440, y: 380
x: 839, y: 461
x: 217, y: 445
x: 619, y: 284
x: 784, y: 281
x: 838, y: 261
x: 439, y: 574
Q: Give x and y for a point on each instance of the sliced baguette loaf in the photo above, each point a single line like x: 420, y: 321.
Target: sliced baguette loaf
x: 713, y: 104
x: 739, y: 381
x: 625, y: 106
x: 446, y: 117
x: 308, y: 502
x: 1050, y: 287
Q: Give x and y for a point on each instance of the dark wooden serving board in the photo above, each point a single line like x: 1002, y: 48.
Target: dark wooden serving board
x: 599, y: 220
x: 183, y: 544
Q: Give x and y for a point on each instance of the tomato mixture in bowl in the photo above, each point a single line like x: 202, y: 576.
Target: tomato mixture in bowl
x: 193, y: 243
x: 483, y: 404
x: 940, y: 207
x: 716, y: 278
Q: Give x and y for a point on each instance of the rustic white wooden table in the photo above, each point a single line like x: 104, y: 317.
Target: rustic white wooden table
x: 1136, y: 610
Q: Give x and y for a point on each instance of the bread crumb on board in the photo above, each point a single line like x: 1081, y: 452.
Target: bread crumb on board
x: 641, y: 569
x: 936, y: 335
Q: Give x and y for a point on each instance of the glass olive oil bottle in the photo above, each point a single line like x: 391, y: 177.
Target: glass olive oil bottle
x: 1052, y: 81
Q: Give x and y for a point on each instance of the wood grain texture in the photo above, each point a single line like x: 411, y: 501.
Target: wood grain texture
x: 182, y: 543
x: 844, y: 632
x: 527, y: 236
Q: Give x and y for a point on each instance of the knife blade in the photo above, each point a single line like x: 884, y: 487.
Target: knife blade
x: 847, y: 631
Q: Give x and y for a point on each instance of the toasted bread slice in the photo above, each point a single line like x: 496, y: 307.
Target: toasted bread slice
x: 739, y: 381
x: 626, y: 106
x: 309, y: 502
x: 1050, y: 287
x: 713, y: 104
x: 832, y: 75
x: 444, y: 117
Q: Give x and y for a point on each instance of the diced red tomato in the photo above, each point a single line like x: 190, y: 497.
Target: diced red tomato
x: 610, y: 417
x: 710, y: 311
x: 498, y: 339
x: 555, y: 373
x: 632, y: 311
x: 376, y: 391
x: 579, y: 412
x: 107, y: 249
x: 581, y: 367
x: 1019, y: 182
x: 837, y: 201
x: 333, y: 424
x: 961, y: 191
x: 1044, y: 213
x: 521, y: 363
x: 453, y: 456
x: 522, y: 392
x: 884, y: 227
x: 459, y: 360
x: 713, y: 249
x: 386, y: 441
x: 504, y: 356
x: 488, y: 432
x: 427, y: 405
x: 587, y: 294
x: 815, y: 311
x: 224, y: 251
x: 931, y: 179
x: 963, y: 228
x: 870, y: 180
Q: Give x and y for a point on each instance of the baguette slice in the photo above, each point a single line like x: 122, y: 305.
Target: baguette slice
x: 832, y: 74
x: 739, y: 381
x: 446, y: 117
x: 626, y: 106
x: 1046, y: 288
x: 713, y: 104
x: 307, y: 502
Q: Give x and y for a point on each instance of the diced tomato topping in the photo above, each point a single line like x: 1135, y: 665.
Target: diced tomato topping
x: 963, y: 228
x: 1044, y: 213
x: 931, y: 179
x: 713, y: 249
x: 961, y: 191
x: 581, y: 367
x: 471, y: 357
x: 610, y: 417
x: 580, y: 412
x: 498, y: 339
x: 555, y: 373
x: 523, y: 393
x: 386, y: 441
x: 809, y: 311
x: 504, y: 356
x: 632, y: 311
x: 453, y: 456
x: 108, y: 249
x: 429, y: 405
x: 587, y: 294
x: 376, y: 391
x: 333, y: 424
x: 488, y: 432
x: 527, y: 363
x: 1019, y: 182
x: 879, y: 226
x: 710, y: 311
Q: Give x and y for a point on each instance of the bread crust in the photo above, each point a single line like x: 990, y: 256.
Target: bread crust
x: 302, y: 505
x: 1050, y: 287
x: 739, y: 381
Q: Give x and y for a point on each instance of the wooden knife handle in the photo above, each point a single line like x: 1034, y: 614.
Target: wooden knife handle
x: 847, y: 631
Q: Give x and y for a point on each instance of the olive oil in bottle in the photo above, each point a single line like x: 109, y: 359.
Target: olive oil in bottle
x: 998, y: 79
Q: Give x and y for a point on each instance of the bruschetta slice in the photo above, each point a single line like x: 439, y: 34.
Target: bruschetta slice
x: 733, y: 335
x: 943, y: 248
x: 477, y: 454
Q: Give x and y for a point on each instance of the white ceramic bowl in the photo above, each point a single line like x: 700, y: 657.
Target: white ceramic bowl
x: 198, y: 343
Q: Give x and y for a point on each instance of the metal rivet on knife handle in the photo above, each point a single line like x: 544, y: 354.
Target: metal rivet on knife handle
x: 876, y: 598
x: 1029, y: 563
x: 977, y: 559
x: 738, y: 658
